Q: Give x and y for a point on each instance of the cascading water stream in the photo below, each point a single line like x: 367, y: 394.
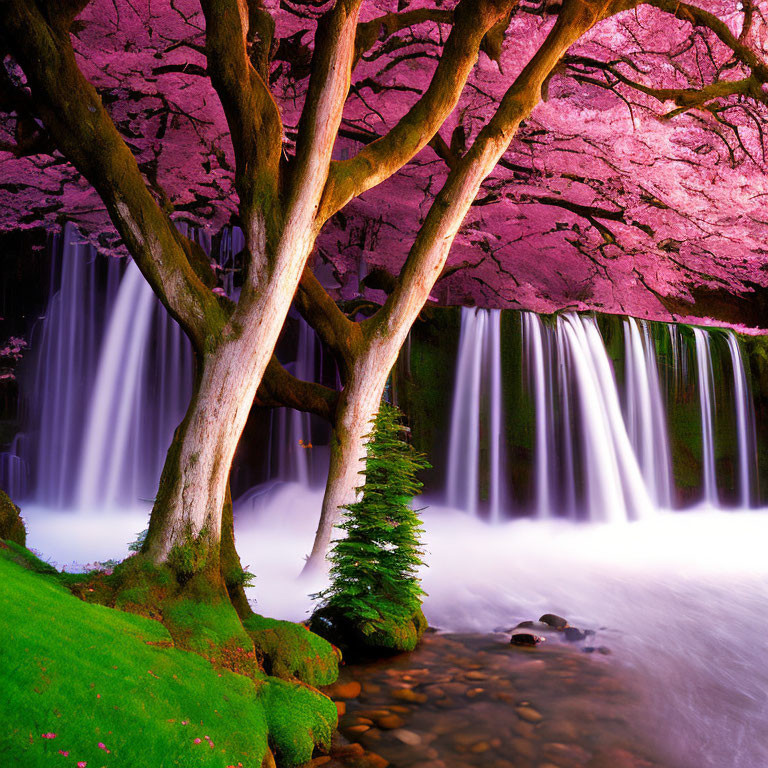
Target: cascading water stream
x: 533, y: 333
x: 745, y: 425
x: 107, y: 473
x: 645, y: 412
x: 112, y: 375
x: 477, y: 416
x: 614, y: 481
x: 293, y: 434
x: 704, y: 368
x: 590, y: 458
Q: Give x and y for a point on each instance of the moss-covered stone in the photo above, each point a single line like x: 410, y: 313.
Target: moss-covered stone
x: 392, y: 634
x: 12, y: 526
x: 299, y: 719
x: 289, y: 650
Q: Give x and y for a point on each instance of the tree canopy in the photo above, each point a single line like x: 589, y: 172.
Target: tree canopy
x: 636, y: 183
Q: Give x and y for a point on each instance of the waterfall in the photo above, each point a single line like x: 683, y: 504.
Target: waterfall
x: 112, y: 469
x: 645, y: 412
x: 745, y: 421
x: 589, y: 459
x: 107, y: 381
x: 65, y: 351
x: 615, y: 486
x: 539, y: 380
x: 477, y: 416
x: 705, y: 378
x: 292, y: 429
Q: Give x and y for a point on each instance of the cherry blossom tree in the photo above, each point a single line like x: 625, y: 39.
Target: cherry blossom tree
x: 412, y: 124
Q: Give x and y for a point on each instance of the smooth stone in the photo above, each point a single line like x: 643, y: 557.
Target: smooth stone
x: 408, y: 694
x: 554, y: 621
x: 350, y: 690
x: 529, y: 714
x: 524, y: 638
x: 344, y: 750
x: 573, y: 635
x: 407, y: 737
x: 390, y: 722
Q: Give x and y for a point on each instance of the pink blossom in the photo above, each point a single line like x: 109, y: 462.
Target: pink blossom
x: 197, y: 741
x: 82, y: 764
x: 64, y: 752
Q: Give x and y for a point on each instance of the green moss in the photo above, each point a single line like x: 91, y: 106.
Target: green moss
x: 192, y: 555
x: 91, y: 675
x: 290, y: 650
x: 29, y: 560
x: 12, y: 526
x: 298, y: 719
x: 205, y: 627
x: 139, y: 586
x: 394, y: 632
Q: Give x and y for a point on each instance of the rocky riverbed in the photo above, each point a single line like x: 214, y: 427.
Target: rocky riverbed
x: 461, y: 701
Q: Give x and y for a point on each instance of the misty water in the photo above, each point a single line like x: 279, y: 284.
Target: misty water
x: 679, y: 596
x: 680, y: 599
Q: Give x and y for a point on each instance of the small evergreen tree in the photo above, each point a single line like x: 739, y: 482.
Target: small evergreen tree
x: 374, y: 584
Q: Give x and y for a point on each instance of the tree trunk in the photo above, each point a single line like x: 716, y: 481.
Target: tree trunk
x: 358, y: 405
x: 194, y: 482
x: 231, y: 567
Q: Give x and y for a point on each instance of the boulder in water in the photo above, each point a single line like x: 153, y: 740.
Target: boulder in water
x: 574, y: 635
x: 526, y: 639
x: 554, y: 621
x: 11, y: 525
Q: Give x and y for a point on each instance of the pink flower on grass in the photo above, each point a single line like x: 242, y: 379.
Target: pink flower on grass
x: 82, y: 764
x: 64, y: 752
x: 102, y: 745
x: 197, y: 741
x: 48, y: 735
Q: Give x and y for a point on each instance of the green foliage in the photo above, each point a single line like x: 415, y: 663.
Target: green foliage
x: 298, y: 719
x: 138, y: 542
x: 374, y: 583
x: 240, y: 577
x: 290, y: 650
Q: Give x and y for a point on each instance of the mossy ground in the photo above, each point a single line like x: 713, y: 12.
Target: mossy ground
x: 290, y: 650
x: 116, y: 690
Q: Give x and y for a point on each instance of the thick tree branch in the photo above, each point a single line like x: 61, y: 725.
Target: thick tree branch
x: 698, y: 17
x: 323, y: 107
x: 385, y: 156
x: 371, y: 32
x: 429, y: 252
x: 280, y: 389
x: 254, y: 123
